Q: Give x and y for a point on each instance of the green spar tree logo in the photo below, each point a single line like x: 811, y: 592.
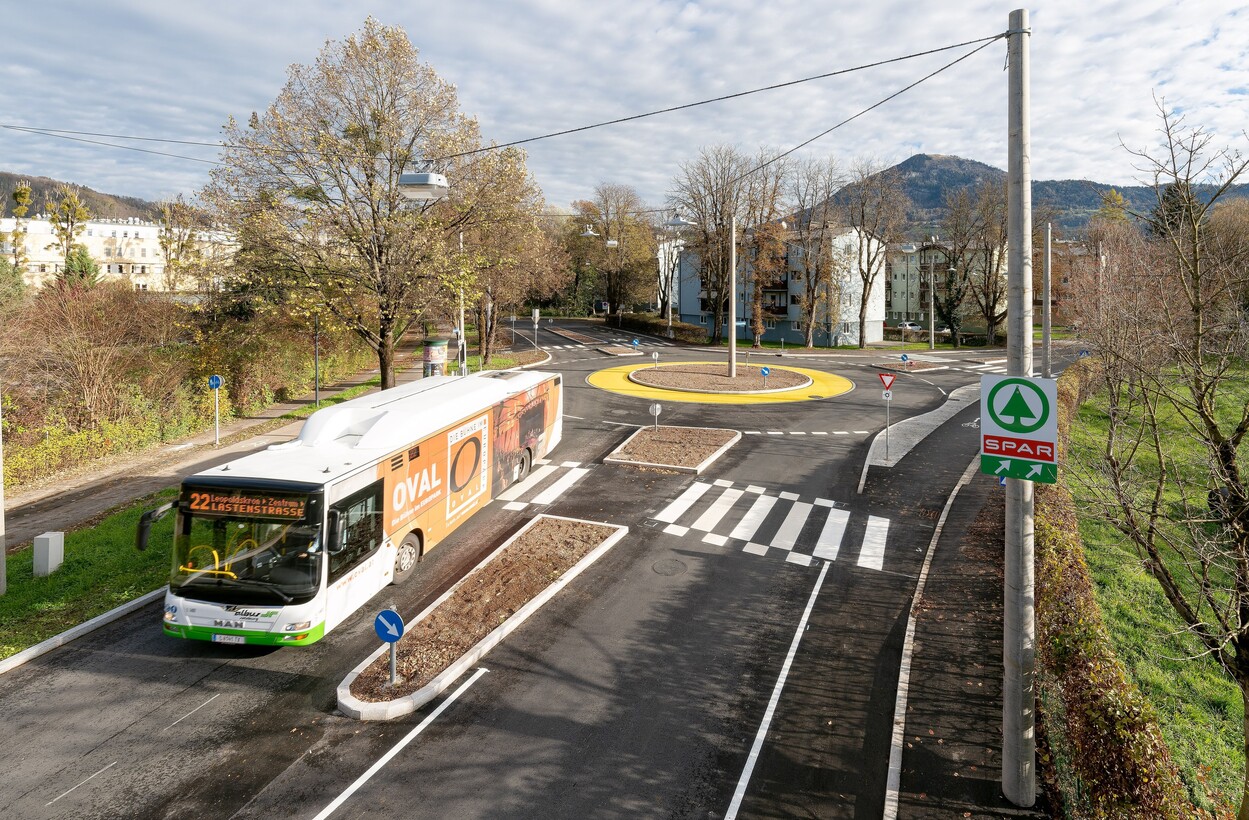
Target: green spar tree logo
x: 1017, y: 414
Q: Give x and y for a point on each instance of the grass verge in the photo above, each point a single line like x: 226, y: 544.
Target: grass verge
x: 102, y: 570
x: 1199, y: 708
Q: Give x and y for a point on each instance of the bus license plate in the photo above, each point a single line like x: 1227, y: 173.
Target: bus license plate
x: 229, y: 639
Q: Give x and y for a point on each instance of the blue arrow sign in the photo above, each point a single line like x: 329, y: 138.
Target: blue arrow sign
x: 765, y: 371
x: 388, y: 625
x: 1084, y: 354
x: 905, y: 358
x: 214, y: 382
x: 635, y: 342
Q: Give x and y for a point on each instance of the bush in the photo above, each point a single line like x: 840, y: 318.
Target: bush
x: 654, y: 325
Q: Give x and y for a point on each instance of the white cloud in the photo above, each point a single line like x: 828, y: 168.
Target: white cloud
x: 178, y: 70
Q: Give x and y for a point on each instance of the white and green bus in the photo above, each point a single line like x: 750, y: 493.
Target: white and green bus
x: 281, y: 546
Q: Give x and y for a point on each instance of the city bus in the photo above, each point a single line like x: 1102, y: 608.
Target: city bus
x: 280, y: 546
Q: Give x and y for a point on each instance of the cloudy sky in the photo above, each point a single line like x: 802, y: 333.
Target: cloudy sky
x: 166, y: 70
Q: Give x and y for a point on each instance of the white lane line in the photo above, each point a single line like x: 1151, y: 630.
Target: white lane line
x: 753, y: 433
x: 571, y: 464
x: 708, y: 520
x: 398, y: 747
x: 872, y: 555
x: 535, y: 478
x: 820, y: 433
x: 796, y: 433
x: 740, y: 793
x: 841, y: 432
x: 193, y: 711
x: 829, y: 543
x: 578, y: 418
x: 787, y: 536
x: 557, y: 489
x: 67, y: 791
x: 683, y: 502
x: 861, y: 432
x: 775, y: 433
x: 893, y: 780
x: 746, y: 528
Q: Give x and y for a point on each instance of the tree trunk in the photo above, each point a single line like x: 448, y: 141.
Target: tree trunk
x: 386, y: 356
x: 863, y: 320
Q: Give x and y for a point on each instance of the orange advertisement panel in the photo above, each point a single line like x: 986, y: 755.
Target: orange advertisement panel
x: 423, y: 484
x: 468, y: 468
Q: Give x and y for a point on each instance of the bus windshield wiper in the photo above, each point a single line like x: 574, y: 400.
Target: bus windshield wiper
x: 238, y: 582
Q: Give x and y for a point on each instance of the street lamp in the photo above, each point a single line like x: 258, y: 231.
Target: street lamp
x: 675, y: 224
x: 430, y: 187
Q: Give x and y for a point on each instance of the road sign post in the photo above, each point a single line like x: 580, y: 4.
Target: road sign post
x: 655, y: 411
x: 887, y: 380
x: 537, y: 317
x: 765, y: 372
x: 214, y: 384
x: 389, y: 627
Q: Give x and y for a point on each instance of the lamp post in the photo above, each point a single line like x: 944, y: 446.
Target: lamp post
x: 424, y: 186
x: 675, y: 224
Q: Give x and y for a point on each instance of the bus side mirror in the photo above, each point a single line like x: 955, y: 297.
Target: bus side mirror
x: 145, y: 524
x: 332, y: 544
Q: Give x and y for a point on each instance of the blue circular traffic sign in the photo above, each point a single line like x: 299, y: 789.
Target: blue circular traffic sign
x: 214, y: 382
x: 635, y: 342
x: 765, y: 371
x: 388, y: 625
x: 905, y: 358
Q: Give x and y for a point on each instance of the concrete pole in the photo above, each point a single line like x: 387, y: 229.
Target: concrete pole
x: 1019, y: 625
x: 1045, y: 310
x: 462, y: 352
x: 932, y: 316
x: 733, y: 297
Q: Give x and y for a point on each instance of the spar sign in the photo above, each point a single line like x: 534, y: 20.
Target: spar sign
x: 1019, y: 428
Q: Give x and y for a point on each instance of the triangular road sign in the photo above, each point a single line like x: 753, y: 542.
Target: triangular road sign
x: 887, y: 380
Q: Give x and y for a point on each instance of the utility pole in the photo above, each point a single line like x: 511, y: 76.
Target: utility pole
x: 1019, y: 622
x: 1045, y: 310
x: 732, y: 296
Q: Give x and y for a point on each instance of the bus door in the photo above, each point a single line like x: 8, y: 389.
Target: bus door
x: 360, y: 563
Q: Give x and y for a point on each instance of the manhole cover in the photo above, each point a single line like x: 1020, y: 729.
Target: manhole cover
x: 669, y: 566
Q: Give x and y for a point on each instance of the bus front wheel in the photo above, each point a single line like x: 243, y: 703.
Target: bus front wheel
x: 405, y: 560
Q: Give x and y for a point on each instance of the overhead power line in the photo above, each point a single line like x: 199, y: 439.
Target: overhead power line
x: 82, y: 136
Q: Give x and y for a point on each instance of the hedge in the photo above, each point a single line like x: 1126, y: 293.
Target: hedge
x: 1105, y: 754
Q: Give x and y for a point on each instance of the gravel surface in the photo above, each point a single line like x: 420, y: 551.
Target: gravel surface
x: 714, y: 378
x: 482, y: 602
x: 674, y: 446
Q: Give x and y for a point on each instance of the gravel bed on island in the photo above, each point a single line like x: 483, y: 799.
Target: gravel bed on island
x: 714, y: 378
x: 674, y: 446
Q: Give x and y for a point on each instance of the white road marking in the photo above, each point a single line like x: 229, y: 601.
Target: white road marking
x: 820, y: 433
x: 683, y: 502
x: 712, y: 538
x: 515, y: 505
x: 751, y: 488
x: 753, y: 433
x: 676, y: 529
x: 775, y: 433
x: 829, y: 542
x: 557, y: 489
x: 799, y: 558
x: 398, y: 747
x: 825, y: 502
x: 535, y: 478
x: 796, y: 433
x: 708, y: 520
x: 571, y: 464
x: 193, y: 711
x: 756, y: 549
x: 872, y: 555
x: 746, y: 528
x: 787, y: 536
x: 789, y: 496
x: 67, y: 791
x: 841, y: 432
x: 723, y: 482
x: 740, y: 792
x: 861, y: 432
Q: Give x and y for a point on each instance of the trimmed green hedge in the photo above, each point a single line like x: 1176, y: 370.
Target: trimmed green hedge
x: 658, y: 326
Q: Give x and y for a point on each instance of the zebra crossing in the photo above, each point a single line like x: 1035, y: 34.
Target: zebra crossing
x: 781, y: 523
x: 625, y: 342
x: 536, y: 490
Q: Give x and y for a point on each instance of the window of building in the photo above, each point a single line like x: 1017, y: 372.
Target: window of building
x: 43, y: 268
x: 769, y: 324
x: 795, y: 299
x: 702, y: 319
x: 90, y: 232
x: 114, y: 234
x: 796, y: 326
x: 125, y: 234
x: 143, y: 252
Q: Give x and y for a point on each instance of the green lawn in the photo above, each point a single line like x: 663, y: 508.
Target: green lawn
x: 102, y: 570
x: 1199, y: 708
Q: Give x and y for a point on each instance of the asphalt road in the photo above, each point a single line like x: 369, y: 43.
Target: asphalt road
x: 638, y: 691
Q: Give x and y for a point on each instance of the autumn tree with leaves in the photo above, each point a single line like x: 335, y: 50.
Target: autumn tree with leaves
x: 69, y: 216
x: 875, y: 205
x: 310, y: 187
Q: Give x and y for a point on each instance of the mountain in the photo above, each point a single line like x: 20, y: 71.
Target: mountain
x: 44, y: 190
x: 926, y: 178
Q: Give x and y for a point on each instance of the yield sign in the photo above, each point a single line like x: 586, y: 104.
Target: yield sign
x: 887, y: 380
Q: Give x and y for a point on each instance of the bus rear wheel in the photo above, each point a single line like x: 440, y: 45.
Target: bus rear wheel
x: 522, y: 465
x: 407, y: 557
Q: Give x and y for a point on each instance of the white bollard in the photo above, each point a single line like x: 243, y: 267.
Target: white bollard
x: 49, y: 553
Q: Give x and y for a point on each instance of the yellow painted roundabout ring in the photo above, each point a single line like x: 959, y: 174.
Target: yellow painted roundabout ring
x: 822, y: 386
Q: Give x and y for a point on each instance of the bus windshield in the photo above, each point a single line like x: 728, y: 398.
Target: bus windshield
x: 257, y: 559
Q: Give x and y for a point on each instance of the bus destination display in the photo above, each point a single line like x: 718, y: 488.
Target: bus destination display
x: 217, y: 502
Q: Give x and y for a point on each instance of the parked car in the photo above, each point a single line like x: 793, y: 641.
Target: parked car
x: 909, y: 326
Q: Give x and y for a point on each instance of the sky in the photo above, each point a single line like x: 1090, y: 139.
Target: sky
x: 163, y: 70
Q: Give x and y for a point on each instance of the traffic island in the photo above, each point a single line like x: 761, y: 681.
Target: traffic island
x: 474, y: 615
x: 714, y: 378
x: 683, y: 449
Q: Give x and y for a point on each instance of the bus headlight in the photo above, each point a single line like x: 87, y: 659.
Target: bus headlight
x: 302, y: 625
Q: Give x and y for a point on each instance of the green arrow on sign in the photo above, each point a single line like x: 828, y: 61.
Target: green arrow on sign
x: 1041, y: 472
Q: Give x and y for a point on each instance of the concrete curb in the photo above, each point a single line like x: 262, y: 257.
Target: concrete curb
x: 44, y: 647
x: 537, y: 364
x: 809, y: 381
x: 353, y: 707
x: 911, y: 431
x: 697, y: 470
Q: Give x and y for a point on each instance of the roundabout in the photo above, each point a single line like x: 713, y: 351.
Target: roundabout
x: 695, y: 382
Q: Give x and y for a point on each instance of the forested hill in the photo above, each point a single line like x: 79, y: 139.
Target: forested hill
x: 927, y: 178
x: 44, y: 190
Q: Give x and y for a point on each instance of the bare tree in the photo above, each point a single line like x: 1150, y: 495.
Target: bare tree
x: 961, y: 226
x: 813, y: 186
x: 1173, y: 337
x: 988, y: 262
x: 712, y: 191
x: 875, y: 206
